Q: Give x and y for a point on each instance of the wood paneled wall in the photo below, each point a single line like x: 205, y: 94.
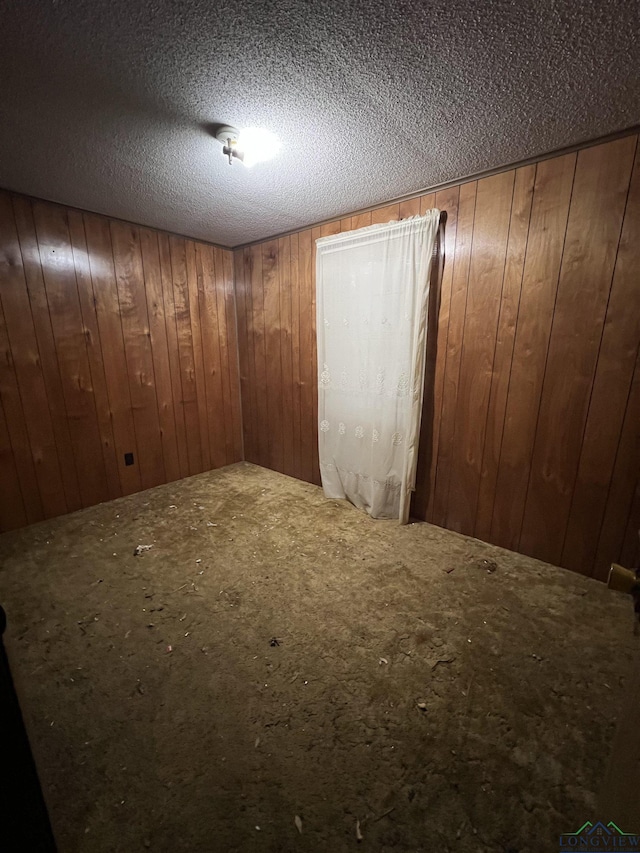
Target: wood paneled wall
x: 117, y: 339
x: 531, y: 434
x: 114, y: 339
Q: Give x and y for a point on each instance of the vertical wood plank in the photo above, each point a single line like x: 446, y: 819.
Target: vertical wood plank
x: 185, y: 353
x: 273, y: 364
x: 427, y: 201
x: 311, y: 283
x: 284, y: 255
x: 453, y: 351
x: 17, y: 428
x: 614, y: 373
x: 381, y: 215
x: 223, y: 333
x: 259, y: 355
x: 175, y: 364
x: 160, y: 350
x: 362, y: 220
x: 549, y: 212
x: 501, y: 371
x: 12, y: 511
x: 408, y: 208
x: 486, y: 273
x: 630, y: 553
x: 230, y: 303
x: 48, y: 360
x: 295, y: 356
x: 25, y: 358
x: 327, y: 230
x: 196, y: 338
x: 252, y: 446
x: 428, y: 426
x: 217, y: 298
x: 211, y: 329
x: 105, y: 294
x: 601, y: 184
x: 623, y: 483
x: 245, y: 355
x: 425, y: 467
x: 94, y: 351
x: 58, y: 269
x: 135, y: 328
x: 345, y: 225
x: 308, y: 430
x: 447, y: 202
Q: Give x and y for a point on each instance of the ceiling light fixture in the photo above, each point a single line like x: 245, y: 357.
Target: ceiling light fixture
x: 250, y: 146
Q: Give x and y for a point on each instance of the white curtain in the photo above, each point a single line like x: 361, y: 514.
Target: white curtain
x: 372, y: 299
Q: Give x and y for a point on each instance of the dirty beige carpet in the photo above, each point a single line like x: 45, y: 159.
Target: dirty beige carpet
x: 278, y: 672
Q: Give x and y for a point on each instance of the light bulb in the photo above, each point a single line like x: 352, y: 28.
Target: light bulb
x: 257, y: 145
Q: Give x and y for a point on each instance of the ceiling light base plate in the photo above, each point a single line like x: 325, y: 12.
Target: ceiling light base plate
x: 226, y: 133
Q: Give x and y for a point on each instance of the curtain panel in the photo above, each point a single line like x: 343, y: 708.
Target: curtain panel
x: 372, y: 302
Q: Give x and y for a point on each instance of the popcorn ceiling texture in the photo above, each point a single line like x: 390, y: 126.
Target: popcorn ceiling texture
x: 106, y: 105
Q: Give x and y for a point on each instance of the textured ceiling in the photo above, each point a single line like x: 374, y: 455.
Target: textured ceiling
x: 106, y: 103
